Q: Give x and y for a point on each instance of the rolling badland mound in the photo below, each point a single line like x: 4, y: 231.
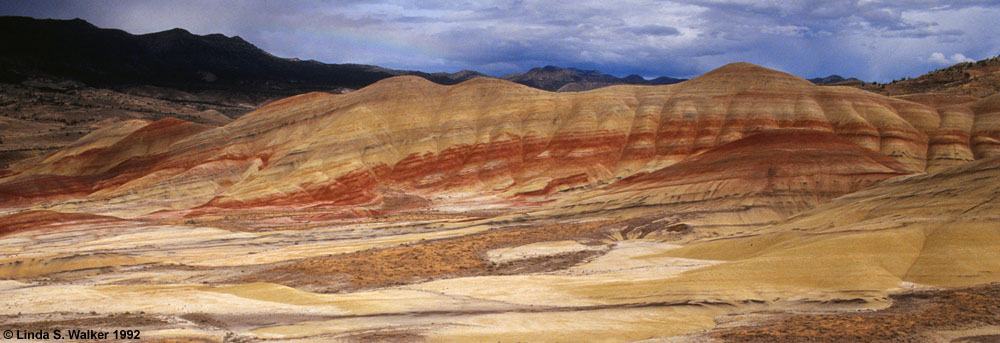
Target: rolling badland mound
x: 483, y: 138
x: 934, y: 229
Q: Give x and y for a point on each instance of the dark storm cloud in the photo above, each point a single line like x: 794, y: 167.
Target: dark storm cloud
x: 871, y: 39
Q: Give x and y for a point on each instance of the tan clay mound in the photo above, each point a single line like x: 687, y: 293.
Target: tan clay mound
x: 928, y: 230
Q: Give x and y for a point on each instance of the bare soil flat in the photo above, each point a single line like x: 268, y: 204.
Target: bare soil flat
x: 913, y: 317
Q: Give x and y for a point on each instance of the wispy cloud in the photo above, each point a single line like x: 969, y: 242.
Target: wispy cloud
x: 939, y: 58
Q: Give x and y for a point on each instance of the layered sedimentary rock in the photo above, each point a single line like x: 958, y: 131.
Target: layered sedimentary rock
x: 43, y: 220
x: 759, y: 179
x: 106, y: 158
x: 967, y: 130
x: 481, y: 137
x: 937, y: 100
x: 986, y: 127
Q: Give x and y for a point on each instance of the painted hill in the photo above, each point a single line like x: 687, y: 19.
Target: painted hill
x: 482, y: 138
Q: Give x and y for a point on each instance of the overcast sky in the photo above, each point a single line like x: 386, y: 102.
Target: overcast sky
x: 869, y: 39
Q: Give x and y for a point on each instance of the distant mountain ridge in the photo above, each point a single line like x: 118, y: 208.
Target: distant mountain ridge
x: 833, y: 79
x: 556, y: 79
x: 78, y: 50
x: 111, y: 58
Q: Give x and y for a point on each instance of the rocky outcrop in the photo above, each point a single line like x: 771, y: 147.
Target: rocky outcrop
x: 980, y: 79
